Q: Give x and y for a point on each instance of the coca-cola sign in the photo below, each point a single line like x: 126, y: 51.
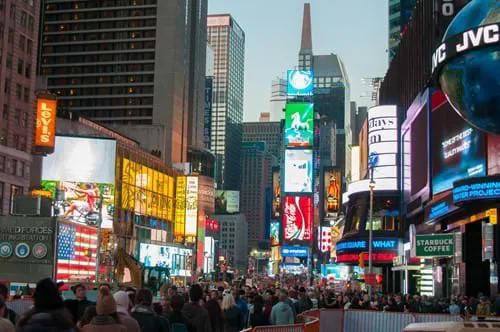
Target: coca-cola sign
x: 297, y: 218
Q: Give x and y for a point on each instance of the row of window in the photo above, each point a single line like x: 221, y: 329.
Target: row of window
x: 102, y: 91
x: 20, y: 119
x: 97, y: 4
x: 146, y: 112
x: 18, y: 142
x: 100, y: 47
x: 100, y: 25
x: 93, y: 58
x: 90, y: 36
x: 100, y: 14
x: 19, y: 90
x: 25, y: 44
x: 13, y: 166
x: 14, y: 191
x: 103, y: 102
x: 22, y: 67
x: 96, y: 80
x: 92, y: 69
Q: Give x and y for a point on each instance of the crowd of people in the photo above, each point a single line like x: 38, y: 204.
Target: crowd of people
x: 205, y: 308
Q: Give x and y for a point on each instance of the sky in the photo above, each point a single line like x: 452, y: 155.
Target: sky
x: 356, y: 30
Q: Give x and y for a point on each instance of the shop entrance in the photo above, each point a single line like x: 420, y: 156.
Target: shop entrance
x: 477, y: 272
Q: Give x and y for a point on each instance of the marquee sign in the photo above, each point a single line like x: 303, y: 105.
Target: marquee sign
x: 479, y: 188
x: 357, y: 245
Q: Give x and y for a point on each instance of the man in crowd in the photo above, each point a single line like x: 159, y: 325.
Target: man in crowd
x: 282, y: 313
x: 78, y: 305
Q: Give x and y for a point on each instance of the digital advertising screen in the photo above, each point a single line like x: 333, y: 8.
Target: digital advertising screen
x: 297, y: 218
x: 298, y: 171
x: 299, y: 125
x: 81, y: 159
x: 300, y: 83
x: 458, y: 150
x: 190, y: 227
x: 332, y: 194
x: 178, y: 260
x: 275, y: 233
x: 227, y: 201
x: 276, y: 195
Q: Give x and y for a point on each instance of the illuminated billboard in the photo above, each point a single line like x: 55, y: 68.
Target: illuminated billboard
x: 324, y: 238
x: 276, y: 205
x: 383, y: 141
x: 298, y: 171
x: 227, y: 201
x: 81, y: 159
x: 300, y: 83
x: 178, y: 260
x: 299, y: 125
x: 275, y: 233
x: 180, y: 206
x: 147, y: 191
x: 297, y: 218
x: 332, y: 194
x: 457, y: 149
x: 45, y: 128
x: 191, y: 206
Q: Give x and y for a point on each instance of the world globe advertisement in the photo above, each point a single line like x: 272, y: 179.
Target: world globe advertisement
x: 471, y: 81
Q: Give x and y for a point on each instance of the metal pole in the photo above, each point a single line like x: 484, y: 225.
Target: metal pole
x: 370, y: 236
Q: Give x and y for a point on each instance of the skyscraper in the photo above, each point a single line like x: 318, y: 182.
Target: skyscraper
x: 135, y: 66
x: 278, y: 98
x: 400, y: 12
x: 19, y: 22
x: 227, y: 40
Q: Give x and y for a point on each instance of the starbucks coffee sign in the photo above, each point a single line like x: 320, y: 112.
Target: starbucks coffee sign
x: 435, y: 245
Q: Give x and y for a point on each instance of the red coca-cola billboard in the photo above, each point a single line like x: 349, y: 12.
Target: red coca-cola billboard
x: 297, y: 218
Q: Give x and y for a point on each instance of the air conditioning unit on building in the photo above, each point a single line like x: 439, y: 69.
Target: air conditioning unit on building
x: 32, y: 206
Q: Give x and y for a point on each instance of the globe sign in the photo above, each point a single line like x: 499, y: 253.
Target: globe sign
x: 471, y: 80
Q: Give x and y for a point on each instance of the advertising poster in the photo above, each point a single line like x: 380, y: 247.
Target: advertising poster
x: 299, y: 125
x: 457, y: 149
x: 227, y: 201
x: 324, y: 238
x: 332, y: 194
x: 300, y: 83
x: 297, y: 218
x: 45, y: 128
x: 275, y: 233
x: 82, y: 202
x: 298, y: 171
x: 276, y: 205
x: 191, y: 206
x: 180, y: 207
x: 178, y: 260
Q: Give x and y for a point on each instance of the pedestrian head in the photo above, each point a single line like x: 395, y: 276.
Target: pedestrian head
x: 80, y: 291
x: 195, y: 293
x: 144, y: 297
x: 235, y: 293
x: 106, y: 304
x: 283, y: 295
x: 4, y: 292
x: 89, y: 313
x: 228, y: 302
x: 122, y: 301
x: 47, y: 296
x: 177, y: 303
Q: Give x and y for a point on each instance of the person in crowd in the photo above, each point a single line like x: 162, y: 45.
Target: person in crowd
x: 194, y: 312
x: 347, y: 302
x: 178, y: 322
x: 268, y: 302
x: 365, y: 303
x: 304, y: 303
x: 5, y: 324
x: 48, y: 313
x: 88, y: 315
x: 454, y: 309
x: 214, y: 311
x: 122, y: 308
x: 483, y: 308
x: 497, y: 305
x: 144, y: 314
x: 282, y: 313
x: 78, y: 305
x: 7, y: 313
x: 234, y: 320
x: 258, y: 317
x: 238, y: 296
x: 107, y: 318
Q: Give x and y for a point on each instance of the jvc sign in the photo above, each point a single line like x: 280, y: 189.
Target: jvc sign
x: 435, y: 245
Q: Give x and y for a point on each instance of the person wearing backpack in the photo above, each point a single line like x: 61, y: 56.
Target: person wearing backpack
x: 143, y: 312
x: 178, y: 322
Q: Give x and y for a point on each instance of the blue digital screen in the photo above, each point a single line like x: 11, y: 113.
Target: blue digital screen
x: 294, y: 251
x: 473, y: 191
x: 458, y: 150
x: 300, y: 83
x: 359, y: 245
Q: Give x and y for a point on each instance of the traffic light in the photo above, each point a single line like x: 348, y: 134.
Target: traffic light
x: 361, y: 261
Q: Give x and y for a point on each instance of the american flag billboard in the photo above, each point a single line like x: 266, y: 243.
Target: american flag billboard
x: 76, y: 252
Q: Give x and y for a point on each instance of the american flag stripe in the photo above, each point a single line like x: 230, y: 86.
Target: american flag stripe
x: 77, y: 249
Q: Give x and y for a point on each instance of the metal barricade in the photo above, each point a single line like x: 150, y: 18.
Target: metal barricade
x: 331, y: 320
x: 20, y: 306
x: 280, y: 328
x: 374, y: 321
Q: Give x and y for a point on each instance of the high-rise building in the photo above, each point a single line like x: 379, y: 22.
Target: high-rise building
x: 135, y: 66
x: 255, y: 175
x: 268, y: 132
x: 400, y: 12
x: 278, y: 99
x: 19, y: 22
x: 234, y: 239
x: 227, y: 40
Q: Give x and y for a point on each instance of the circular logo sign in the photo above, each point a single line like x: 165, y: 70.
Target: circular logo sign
x: 39, y: 250
x: 5, y: 250
x: 22, y: 250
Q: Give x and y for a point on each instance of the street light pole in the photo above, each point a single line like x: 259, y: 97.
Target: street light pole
x: 370, y: 236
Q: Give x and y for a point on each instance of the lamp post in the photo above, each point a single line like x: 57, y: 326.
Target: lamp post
x: 370, y: 233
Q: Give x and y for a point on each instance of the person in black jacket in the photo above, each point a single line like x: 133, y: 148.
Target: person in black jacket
x: 176, y: 316
x: 258, y: 317
x: 78, y: 305
x: 144, y: 314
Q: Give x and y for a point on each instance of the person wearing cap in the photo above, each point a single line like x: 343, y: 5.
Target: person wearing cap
x: 107, y: 318
x: 48, y: 313
x: 122, y: 306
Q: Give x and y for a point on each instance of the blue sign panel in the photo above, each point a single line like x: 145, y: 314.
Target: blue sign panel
x: 360, y: 245
x: 294, y: 251
x: 475, y: 191
x: 300, y: 83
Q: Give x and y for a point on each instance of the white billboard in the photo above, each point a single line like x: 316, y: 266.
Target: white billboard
x: 191, y: 206
x: 81, y: 159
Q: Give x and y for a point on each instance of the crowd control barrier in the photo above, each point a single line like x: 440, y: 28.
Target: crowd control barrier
x: 309, y: 322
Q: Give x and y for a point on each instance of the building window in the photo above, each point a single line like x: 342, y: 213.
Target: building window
x: 5, y: 112
x: 31, y: 23
x: 2, y: 164
x: 28, y: 70
x: 29, y: 49
x: 22, y: 42
x: 13, y: 167
x: 27, y: 94
x: 25, y: 120
x: 20, y: 67
x: 14, y: 191
x: 8, y: 62
x: 20, y: 169
x: 7, y: 86
x: 19, y: 91
x: 22, y: 143
x: 3, y: 137
x: 24, y: 19
x: 10, y: 37
x: 13, y: 11
x: 17, y: 117
x: 15, y: 142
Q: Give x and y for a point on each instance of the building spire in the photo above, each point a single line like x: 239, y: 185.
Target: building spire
x: 306, y: 42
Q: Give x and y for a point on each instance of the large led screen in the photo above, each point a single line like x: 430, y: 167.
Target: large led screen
x: 276, y: 205
x: 299, y: 125
x: 458, y: 150
x: 227, y: 201
x: 332, y: 194
x: 298, y: 171
x: 297, y: 218
x: 81, y: 159
x: 300, y: 82
x: 178, y: 260
x: 275, y: 233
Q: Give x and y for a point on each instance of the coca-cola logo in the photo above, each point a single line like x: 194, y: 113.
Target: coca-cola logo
x: 297, y: 218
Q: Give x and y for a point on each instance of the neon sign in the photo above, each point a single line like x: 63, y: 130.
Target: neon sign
x: 294, y: 251
x: 376, y: 257
x: 475, y: 191
x: 391, y: 244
